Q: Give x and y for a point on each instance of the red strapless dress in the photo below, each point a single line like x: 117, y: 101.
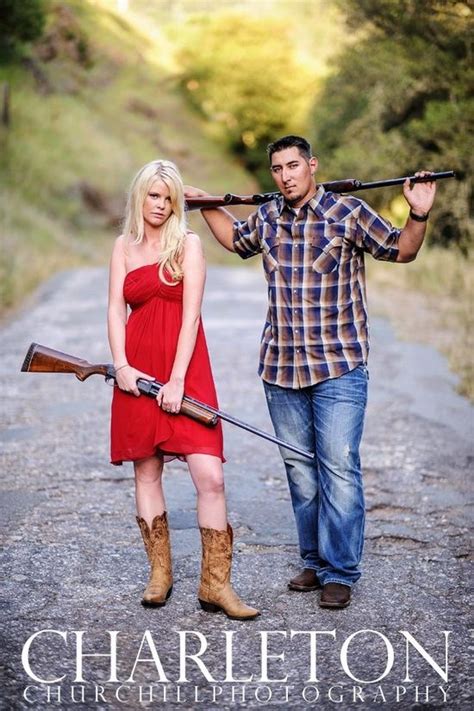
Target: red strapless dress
x: 139, y: 428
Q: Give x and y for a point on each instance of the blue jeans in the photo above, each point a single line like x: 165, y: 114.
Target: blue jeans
x: 327, y: 495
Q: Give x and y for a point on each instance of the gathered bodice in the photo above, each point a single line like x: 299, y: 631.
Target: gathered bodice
x: 144, y: 283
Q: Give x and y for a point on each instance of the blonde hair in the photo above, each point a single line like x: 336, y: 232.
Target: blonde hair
x: 174, y: 229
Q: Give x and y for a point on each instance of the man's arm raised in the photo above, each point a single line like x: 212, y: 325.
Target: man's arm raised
x: 420, y: 197
x: 219, y: 219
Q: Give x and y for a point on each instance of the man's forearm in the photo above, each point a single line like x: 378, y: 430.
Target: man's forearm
x: 221, y: 223
x: 410, y: 241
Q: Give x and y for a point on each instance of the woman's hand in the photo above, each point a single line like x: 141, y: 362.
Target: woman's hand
x: 126, y: 378
x: 170, y: 396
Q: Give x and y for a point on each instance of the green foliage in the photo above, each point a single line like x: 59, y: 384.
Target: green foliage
x: 399, y: 100
x: 78, y: 133
x: 243, y: 76
x: 19, y: 22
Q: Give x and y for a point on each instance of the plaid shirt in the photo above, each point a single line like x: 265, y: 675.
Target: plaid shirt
x: 316, y: 326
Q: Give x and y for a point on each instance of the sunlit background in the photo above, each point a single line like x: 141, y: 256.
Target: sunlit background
x: 93, y: 89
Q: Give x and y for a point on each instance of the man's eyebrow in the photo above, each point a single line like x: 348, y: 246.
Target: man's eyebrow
x: 288, y: 162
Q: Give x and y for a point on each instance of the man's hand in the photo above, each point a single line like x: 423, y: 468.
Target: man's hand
x: 420, y: 196
x: 219, y: 220
x: 191, y: 192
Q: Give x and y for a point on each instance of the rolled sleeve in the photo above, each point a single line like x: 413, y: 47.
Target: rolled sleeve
x: 246, y: 237
x: 376, y: 235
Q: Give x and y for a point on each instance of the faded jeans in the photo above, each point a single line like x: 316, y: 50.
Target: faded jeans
x: 327, y: 495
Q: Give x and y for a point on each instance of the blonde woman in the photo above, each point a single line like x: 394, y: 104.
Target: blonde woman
x: 158, y: 270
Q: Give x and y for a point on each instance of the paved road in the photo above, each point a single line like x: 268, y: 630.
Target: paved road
x: 74, y: 562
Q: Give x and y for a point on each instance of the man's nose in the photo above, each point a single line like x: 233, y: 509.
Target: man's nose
x: 285, y: 174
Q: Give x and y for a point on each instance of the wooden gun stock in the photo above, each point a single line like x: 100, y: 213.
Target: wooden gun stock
x: 350, y: 185
x: 41, y: 359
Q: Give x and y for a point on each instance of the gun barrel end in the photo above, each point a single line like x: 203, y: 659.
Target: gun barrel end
x: 28, y: 358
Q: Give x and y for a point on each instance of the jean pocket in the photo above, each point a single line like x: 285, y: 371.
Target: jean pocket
x: 363, y: 369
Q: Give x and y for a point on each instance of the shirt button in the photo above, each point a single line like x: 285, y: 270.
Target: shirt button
x: 295, y: 269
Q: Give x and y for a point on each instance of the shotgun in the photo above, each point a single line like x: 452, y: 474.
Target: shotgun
x: 41, y: 359
x: 350, y: 185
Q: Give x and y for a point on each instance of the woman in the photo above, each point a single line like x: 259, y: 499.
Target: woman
x: 158, y: 269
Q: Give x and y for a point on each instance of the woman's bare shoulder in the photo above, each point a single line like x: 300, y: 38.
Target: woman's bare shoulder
x: 192, y: 237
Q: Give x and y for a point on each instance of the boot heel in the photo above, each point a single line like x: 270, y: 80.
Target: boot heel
x: 209, y: 606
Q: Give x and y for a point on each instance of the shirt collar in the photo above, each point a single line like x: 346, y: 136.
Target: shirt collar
x: 314, y: 203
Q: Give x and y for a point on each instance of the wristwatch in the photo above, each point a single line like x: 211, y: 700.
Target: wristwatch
x: 419, y: 218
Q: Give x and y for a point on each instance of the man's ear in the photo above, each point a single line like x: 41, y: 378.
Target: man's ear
x: 313, y: 164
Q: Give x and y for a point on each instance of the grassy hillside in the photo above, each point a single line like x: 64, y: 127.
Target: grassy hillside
x: 94, y: 102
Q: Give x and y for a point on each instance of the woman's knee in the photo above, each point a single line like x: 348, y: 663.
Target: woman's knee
x: 148, y: 471
x: 210, y: 483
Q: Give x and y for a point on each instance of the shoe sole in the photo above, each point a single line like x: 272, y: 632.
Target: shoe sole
x: 303, y: 588
x: 161, y: 603
x: 335, y: 605
x: 210, y: 607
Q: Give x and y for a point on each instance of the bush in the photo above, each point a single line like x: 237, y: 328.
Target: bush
x: 19, y: 22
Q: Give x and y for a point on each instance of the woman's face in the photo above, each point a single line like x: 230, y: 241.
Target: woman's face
x: 157, y: 205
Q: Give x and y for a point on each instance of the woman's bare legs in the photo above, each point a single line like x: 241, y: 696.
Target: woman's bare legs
x: 148, y: 488
x: 208, y: 478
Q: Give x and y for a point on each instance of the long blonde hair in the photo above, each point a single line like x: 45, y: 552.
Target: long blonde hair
x: 174, y: 229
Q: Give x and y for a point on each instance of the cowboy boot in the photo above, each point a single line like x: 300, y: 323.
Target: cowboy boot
x: 157, y: 546
x: 216, y: 592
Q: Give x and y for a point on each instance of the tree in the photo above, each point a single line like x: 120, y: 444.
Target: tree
x: 244, y: 77
x: 398, y: 99
x: 20, y: 22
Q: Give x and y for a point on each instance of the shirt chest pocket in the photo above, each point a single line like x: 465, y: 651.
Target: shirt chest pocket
x: 270, y: 247
x: 327, y: 244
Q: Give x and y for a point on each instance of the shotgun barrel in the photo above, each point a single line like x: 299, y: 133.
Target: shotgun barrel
x: 350, y: 185
x: 41, y: 359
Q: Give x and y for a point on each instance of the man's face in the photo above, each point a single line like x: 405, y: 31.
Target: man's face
x: 294, y: 175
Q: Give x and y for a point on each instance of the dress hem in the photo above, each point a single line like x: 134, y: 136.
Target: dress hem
x: 118, y: 461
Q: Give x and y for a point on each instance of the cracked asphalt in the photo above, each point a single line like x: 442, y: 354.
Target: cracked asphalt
x: 73, y: 559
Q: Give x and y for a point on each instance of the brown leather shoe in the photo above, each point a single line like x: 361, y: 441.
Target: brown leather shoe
x: 335, y: 595
x: 305, y: 581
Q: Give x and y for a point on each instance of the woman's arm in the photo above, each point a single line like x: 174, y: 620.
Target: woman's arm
x: 194, y: 269
x: 126, y: 376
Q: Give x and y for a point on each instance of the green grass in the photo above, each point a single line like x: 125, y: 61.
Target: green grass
x: 98, y: 126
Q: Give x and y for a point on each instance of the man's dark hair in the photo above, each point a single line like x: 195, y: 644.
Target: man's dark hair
x: 300, y: 143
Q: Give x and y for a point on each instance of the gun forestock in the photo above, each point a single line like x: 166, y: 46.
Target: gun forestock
x: 41, y: 359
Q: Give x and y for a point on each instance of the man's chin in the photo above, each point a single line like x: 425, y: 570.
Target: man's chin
x: 291, y: 198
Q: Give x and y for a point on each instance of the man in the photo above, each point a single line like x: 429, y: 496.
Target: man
x: 314, y: 349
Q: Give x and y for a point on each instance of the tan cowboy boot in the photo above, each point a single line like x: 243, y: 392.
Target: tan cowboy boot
x: 216, y: 592
x: 157, y: 546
